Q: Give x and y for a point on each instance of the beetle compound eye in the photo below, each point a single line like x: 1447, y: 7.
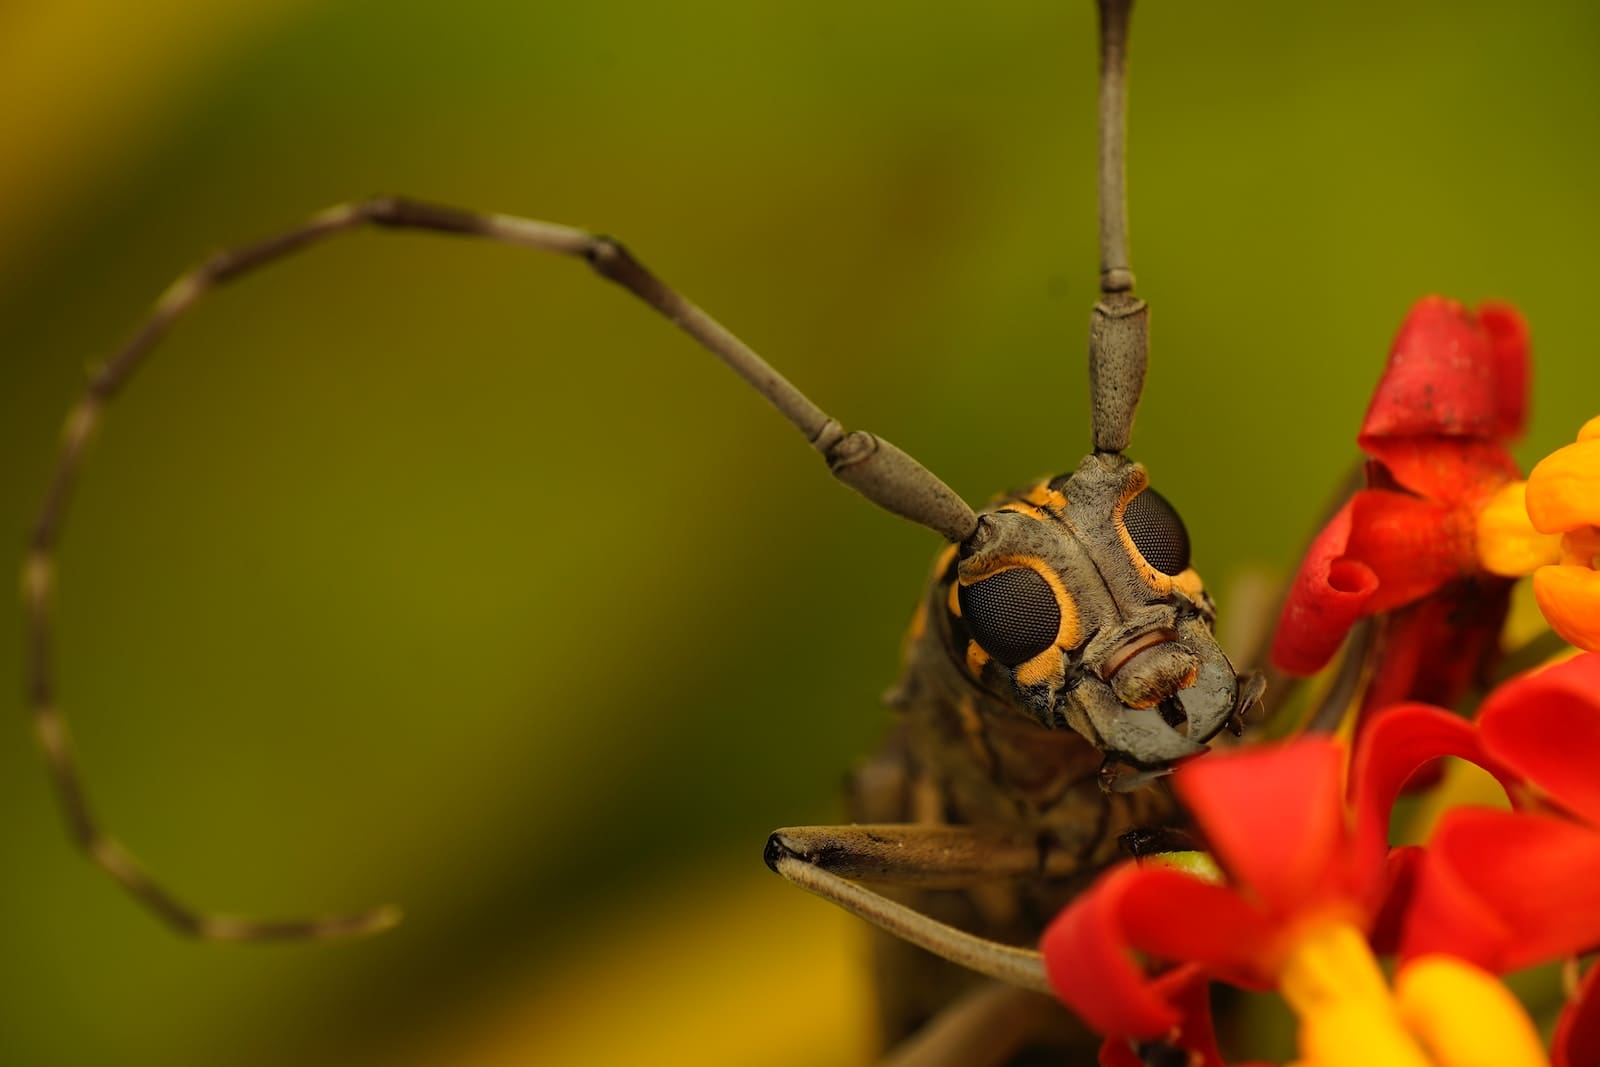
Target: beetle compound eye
x: 1012, y: 615
x: 1157, y: 532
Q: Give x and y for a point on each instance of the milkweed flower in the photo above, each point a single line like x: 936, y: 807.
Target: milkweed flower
x: 1453, y: 393
x: 1549, y: 526
x: 1442, y: 1012
x: 1310, y: 893
x: 1507, y: 889
x: 1303, y: 855
x: 1312, y: 889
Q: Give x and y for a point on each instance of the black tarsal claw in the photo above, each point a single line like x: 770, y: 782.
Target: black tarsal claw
x: 777, y: 850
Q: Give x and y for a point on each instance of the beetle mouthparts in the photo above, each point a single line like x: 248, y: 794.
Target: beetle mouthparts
x: 1122, y: 655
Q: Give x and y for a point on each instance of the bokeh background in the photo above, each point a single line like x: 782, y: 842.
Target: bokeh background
x: 443, y: 574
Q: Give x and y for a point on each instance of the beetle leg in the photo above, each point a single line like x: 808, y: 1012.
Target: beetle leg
x: 985, y: 1028
x: 814, y: 857
x: 913, y: 854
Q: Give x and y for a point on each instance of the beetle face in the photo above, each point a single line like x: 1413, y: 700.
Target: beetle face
x: 1078, y: 601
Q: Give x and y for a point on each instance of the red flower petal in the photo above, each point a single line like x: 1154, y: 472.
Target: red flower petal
x: 1577, y: 1038
x: 1452, y: 470
x: 1453, y: 390
x: 1546, y: 724
x: 1506, y: 890
x: 1400, y: 879
x: 1400, y: 741
x: 1508, y: 346
x: 1091, y: 966
x: 1089, y: 950
x: 1273, y: 816
x: 1189, y: 991
x: 1433, y: 651
x: 1451, y: 374
x: 1446, y: 915
x: 1178, y: 917
x: 1330, y: 592
x: 1412, y: 545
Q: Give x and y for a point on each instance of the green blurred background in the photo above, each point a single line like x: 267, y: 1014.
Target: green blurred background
x: 443, y: 574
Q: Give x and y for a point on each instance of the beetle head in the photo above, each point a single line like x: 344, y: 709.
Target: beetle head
x: 1077, y: 602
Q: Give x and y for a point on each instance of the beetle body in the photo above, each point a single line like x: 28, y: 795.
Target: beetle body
x: 1012, y: 705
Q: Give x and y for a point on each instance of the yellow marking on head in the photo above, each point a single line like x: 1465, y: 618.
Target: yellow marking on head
x: 977, y: 658
x: 953, y: 601
x: 1070, y: 631
x: 1160, y: 583
x: 1029, y: 510
x: 1047, y: 664
x: 1189, y: 584
x: 1045, y: 667
x: 993, y: 565
x: 1043, y: 496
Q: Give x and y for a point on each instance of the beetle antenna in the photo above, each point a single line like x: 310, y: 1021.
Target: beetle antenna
x: 867, y: 463
x: 1119, y: 324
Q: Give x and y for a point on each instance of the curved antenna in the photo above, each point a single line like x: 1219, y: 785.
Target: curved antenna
x: 1119, y: 324
x: 868, y: 464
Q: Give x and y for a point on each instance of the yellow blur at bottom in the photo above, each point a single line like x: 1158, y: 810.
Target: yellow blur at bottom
x: 737, y: 969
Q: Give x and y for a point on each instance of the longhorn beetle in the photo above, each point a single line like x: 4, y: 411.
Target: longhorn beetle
x: 1065, y: 634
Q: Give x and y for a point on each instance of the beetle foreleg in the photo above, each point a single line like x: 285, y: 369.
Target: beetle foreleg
x: 917, y: 855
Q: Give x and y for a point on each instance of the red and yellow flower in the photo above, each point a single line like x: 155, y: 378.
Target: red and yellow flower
x: 1299, y: 862
x: 1309, y: 892
x: 1311, y: 889
x: 1549, y: 526
x: 1453, y: 393
x: 1507, y: 889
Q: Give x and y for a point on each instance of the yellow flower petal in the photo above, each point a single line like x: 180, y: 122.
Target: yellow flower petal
x: 1347, y: 1017
x: 1591, y: 430
x: 1464, y: 1016
x: 1564, y: 489
x: 1581, y: 548
x: 1507, y: 543
x: 1570, y: 600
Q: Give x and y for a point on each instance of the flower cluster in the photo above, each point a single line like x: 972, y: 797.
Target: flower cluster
x: 1311, y: 893
x: 1312, y: 889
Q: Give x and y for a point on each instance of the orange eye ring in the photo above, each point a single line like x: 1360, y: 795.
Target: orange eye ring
x: 1013, y: 614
